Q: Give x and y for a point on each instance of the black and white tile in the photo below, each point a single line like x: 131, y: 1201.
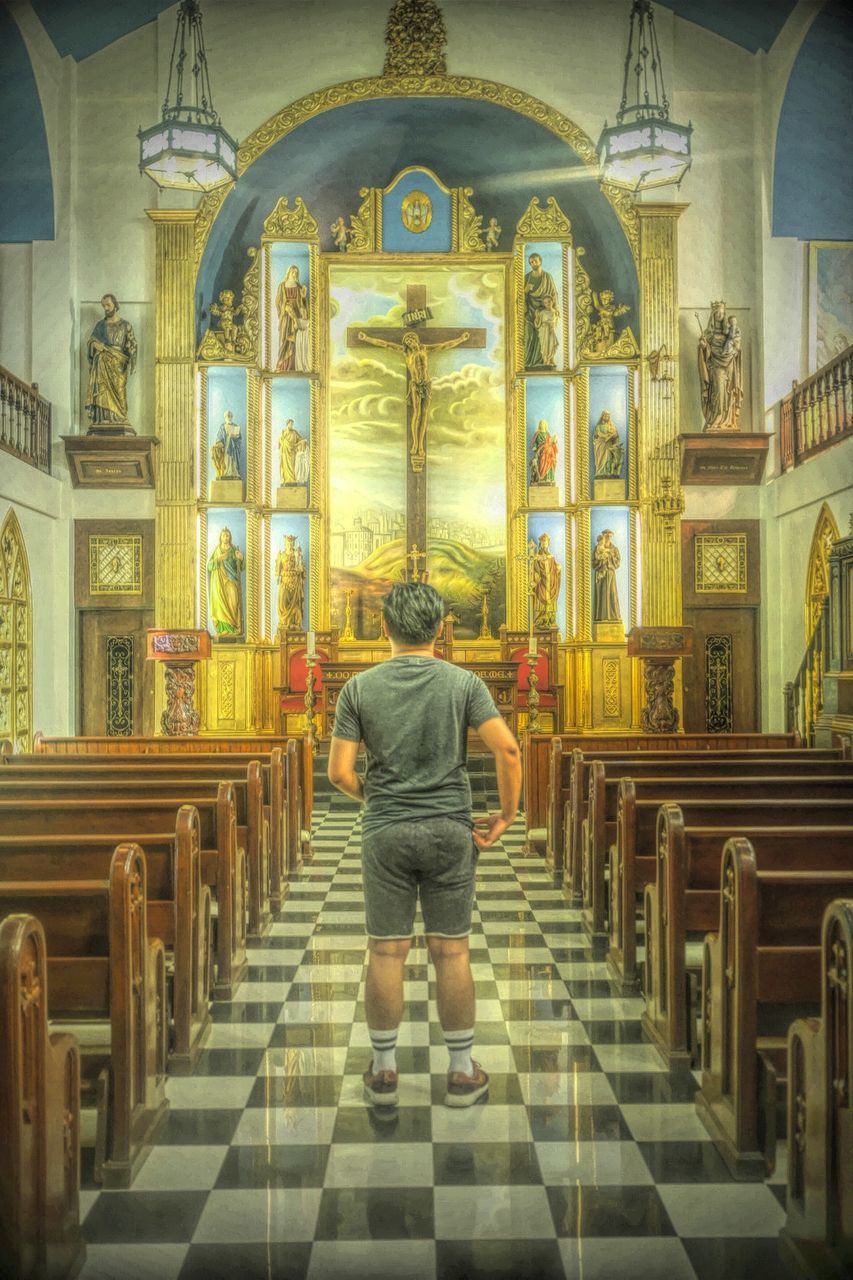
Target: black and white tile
x: 587, y: 1161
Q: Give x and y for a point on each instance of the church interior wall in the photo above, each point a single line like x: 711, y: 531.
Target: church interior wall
x: 274, y: 54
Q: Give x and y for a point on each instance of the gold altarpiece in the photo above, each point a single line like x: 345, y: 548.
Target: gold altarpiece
x: 601, y: 684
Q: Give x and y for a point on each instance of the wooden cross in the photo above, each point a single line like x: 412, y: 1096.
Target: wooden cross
x: 418, y: 396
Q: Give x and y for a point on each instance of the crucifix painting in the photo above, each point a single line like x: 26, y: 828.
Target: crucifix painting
x: 417, y: 432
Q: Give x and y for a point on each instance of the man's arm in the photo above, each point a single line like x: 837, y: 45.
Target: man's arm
x: 379, y: 342
x: 503, y: 746
x: 342, y: 757
x: 451, y: 342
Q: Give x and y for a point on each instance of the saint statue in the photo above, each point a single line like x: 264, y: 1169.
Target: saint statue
x: 225, y: 593
x: 541, y: 316
x: 720, y: 371
x: 543, y: 462
x: 607, y: 447
x: 112, y: 357
x: 290, y: 576
x: 294, y: 337
x: 225, y: 450
x: 303, y: 462
x: 545, y: 575
x: 289, y: 445
x: 605, y: 562
x: 417, y: 355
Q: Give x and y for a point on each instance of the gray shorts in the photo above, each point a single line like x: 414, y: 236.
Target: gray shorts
x: 435, y: 858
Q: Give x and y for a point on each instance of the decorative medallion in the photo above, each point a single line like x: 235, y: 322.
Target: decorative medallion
x: 115, y: 564
x: 119, y: 686
x: 720, y: 562
x: 416, y: 211
x: 718, y: 684
x: 416, y: 38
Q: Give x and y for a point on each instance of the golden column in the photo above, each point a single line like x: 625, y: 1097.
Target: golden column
x: 175, y: 498
x: 660, y: 485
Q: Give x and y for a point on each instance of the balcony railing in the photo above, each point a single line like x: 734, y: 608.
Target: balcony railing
x: 804, y: 694
x: 24, y: 421
x: 818, y: 412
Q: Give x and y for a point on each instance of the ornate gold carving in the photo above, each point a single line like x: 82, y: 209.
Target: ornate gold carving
x: 226, y: 690
x: 416, y: 39
x: 720, y: 562
x: 15, y: 630
x: 363, y: 223
x: 404, y: 86
x: 416, y: 212
x: 817, y: 581
x: 612, y: 687
x: 115, y: 564
x: 539, y: 223
x: 470, y: 223
x: 285, y: 223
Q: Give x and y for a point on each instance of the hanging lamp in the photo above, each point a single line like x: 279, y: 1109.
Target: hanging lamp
x: 644, y: 148
x: 188, y: 148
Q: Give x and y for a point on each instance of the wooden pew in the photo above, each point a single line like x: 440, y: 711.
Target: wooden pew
x: 178, y: 909
x: 818, y: 1232
x: 303, y: 760
x: 115, y: 778
x: 223, y: 861
x: 39, y: 1117
x: 571, y: 779
x: 760, y: 970
x: 107, y: 983
x: 748, y: 802
x: 602, y: 826
x: 682, y: 904
x: 536, y: 752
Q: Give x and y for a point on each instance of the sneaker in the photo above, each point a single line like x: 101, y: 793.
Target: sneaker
x: 380, y: 1087
x: 464, y: 1091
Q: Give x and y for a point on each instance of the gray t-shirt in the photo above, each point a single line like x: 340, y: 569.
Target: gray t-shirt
x: 413, y: 716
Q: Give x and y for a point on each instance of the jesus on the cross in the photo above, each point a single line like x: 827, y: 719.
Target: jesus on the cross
x: 416, y: 355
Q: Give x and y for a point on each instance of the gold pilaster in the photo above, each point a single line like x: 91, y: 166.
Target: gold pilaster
x: 659, y: 476
x: 173, y: 417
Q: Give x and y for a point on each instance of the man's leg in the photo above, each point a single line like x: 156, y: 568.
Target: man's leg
x: 455, y: 982
x: 383, y: 994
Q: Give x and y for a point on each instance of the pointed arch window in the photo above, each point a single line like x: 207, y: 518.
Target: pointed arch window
x: 16, y: 629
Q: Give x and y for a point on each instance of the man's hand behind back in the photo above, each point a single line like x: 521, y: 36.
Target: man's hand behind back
x: 489, y: 829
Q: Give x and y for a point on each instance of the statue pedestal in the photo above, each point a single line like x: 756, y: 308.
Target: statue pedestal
x: 540, y: 497
x: 108, y: 461
x: 179, y: 651
x: 291, y: 497
x: 608, y: 490
x: 723, y: 457
x: 659, y: 647
x: 610, y: 632
x: 226, y: 491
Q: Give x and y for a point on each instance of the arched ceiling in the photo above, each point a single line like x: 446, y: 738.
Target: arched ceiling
x: 82, y: 27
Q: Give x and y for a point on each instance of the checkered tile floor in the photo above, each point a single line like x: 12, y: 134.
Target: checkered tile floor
x: 586, y: 1161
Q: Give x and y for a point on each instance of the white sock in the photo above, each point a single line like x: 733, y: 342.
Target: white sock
x: 384, y: 1049
x: 459, y: 1046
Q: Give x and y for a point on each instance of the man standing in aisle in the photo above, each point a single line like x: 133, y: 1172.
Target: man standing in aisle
x: 418, y: 838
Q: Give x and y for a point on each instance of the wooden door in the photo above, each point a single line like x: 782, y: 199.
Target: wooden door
x: 116, y: 683
x: 721, y: 679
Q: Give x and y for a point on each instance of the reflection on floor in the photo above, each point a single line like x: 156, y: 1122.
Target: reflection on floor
x: 587, y: 1160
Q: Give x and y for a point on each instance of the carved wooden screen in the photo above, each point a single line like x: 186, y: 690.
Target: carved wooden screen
x: 16, y: 665
x: 817, y: 578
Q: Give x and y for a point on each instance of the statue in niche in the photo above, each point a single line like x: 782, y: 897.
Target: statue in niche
x: 227, y: 314
x: 340, y: 234
x: 294, y: 336
x: 720, y: 370
x: 607, y: 447
x: 290, y: 576
x: 543, y: 462
x: 225, y: 450
x: 289, y: 443
x: 225, y: 592
x: 541, y: 316
x: 602, y: 332
x: 493, y: 234
x: 605, y: 562
x: 545, y: 576
x: 302, y: 464
x: 112, y: 358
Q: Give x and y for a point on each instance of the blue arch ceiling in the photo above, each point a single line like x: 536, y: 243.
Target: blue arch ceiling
x: 82, y: 27
x: 812, y: 189
x: 477, y: 144
x: 26, y: 188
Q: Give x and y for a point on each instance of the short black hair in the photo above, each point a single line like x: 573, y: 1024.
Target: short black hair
x: 413, y: 612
